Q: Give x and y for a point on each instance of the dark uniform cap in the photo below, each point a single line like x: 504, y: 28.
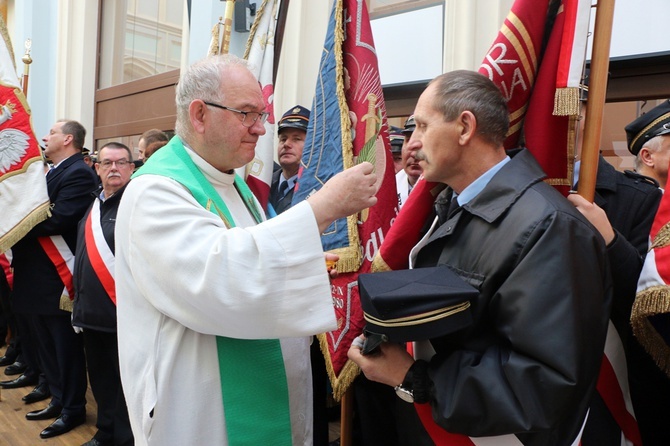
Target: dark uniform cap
x: 655, y: 122
x: 296, y: 118
x: 413, y: 304
x: 410, y: 125
x: 396, y: 138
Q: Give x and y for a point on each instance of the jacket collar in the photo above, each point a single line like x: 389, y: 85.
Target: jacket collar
x: 504, y: 188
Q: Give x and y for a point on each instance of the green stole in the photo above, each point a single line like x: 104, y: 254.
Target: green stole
x: 253, y: 378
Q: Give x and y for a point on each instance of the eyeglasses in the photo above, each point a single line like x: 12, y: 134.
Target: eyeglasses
x: 248, y: 118
x: 119, y: 163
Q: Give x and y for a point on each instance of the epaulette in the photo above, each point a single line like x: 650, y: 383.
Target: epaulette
x: 641, y: 178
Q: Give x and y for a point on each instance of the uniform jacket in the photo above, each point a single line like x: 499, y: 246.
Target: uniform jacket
x: 37, y: 286
x: 630, y: 201
x: 280, y: 205
x: 93, y: 308
x: 528, y: 364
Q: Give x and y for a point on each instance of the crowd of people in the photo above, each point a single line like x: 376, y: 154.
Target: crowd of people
x: 192, y: 314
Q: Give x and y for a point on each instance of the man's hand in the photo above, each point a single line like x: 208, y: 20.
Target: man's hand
x: 347, y: 193
x: 388, y: 366
x: 594, y: 214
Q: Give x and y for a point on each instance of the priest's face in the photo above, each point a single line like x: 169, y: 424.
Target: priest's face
x: 229, y: 136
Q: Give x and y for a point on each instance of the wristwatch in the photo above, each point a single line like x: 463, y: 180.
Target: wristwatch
x: 404, y: 394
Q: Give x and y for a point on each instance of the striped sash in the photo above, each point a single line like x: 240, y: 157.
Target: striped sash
x: 99, y: 253
x: 62, y: 257
x: 443, y: 438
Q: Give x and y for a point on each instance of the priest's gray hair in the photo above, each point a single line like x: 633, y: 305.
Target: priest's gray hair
x: 202, y: 80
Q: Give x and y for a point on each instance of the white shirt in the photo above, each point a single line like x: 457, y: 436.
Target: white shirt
x: 182, y: 279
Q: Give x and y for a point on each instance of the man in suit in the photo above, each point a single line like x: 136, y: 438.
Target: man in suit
x: 43, y: 290
x: 291, y: 129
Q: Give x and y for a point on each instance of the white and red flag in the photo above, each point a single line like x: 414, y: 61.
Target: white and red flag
x: 23, y: 189
x: 650, y: 317
x: 260, y: 53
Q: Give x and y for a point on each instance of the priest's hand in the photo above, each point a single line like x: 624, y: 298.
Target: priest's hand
x: 347, y: 193
x: 331, y: 264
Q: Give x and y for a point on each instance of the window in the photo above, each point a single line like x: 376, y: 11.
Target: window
x: 139, y: 38
x: 381, y: 8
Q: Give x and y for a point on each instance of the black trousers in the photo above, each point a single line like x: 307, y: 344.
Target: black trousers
x: 102, y: 359
x: 61, y: 353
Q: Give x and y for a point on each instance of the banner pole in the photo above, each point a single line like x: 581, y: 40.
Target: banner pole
x: 602, y: 36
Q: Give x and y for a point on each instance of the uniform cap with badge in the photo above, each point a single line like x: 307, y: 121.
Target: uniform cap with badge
x: 656, y: 122
x: 396, y: 138
x: 410, y: 125
x: 295, y: 118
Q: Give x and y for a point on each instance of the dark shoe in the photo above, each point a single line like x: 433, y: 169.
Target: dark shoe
x: 49, y: 412
x: 64, y: 423
x: 16, y: 369
x: 7, y: 360
x: 39, y: 393
x: 21, y: 381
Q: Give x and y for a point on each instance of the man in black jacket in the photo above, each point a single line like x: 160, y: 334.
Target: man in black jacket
x: 525, y: 369
x: 95, y: 296
x: 43, y: 291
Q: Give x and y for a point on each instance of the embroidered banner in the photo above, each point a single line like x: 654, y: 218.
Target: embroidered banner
x: 348, y: 126
x: 23, y: 188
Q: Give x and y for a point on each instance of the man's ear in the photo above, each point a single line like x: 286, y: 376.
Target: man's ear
x: 468, y: 126
x: 645, y: 157
x: 196, y: 113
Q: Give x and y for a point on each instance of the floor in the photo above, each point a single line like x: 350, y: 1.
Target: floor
x: 16, y: 430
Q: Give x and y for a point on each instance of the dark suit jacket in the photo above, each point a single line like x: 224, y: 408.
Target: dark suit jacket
x: 37, y: 285
x: 279, y: 204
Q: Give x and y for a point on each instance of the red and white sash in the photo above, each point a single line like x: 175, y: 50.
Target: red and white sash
x: 613, y: 388
x: 63, y: 259
x: 5, y: 265
x: 443, y: 438
x: 99, y: 253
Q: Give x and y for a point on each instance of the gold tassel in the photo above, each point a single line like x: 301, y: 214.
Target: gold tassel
x: 214, y: 48
x: 566, y: 101
x: 41, y: 213
x: 66, y: 304
x: 662, y: 239
x: 650, y: 302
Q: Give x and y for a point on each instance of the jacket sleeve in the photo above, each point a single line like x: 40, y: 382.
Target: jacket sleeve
x: 532, y: 361
x: 70, y: 203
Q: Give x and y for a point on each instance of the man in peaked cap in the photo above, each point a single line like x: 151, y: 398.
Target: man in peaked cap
x: 649, y: 140
x: 411, y: 170
x: 291, y: 129
x: 396, y: 138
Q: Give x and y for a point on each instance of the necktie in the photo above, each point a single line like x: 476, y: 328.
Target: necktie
x: 454, y: 207
x: 283, y: 187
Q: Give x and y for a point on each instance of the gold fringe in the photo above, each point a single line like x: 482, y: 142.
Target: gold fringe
x: 41, y: 213
x: 349, y: 372
x: 379, y: 264
x: 652, y: 301
x: 214, y: 49
x: 566, y: 101
x: 66, y: 304
x: 662, y: 239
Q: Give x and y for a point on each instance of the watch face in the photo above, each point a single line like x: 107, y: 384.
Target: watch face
x: 404, y: 394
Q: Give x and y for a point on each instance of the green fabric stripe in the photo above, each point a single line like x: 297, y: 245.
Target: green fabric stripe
x: 253, y: 379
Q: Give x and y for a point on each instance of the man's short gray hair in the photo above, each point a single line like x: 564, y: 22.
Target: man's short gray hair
x: 654, y: 145
x: 202, y: 80
x: 463, y: 90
